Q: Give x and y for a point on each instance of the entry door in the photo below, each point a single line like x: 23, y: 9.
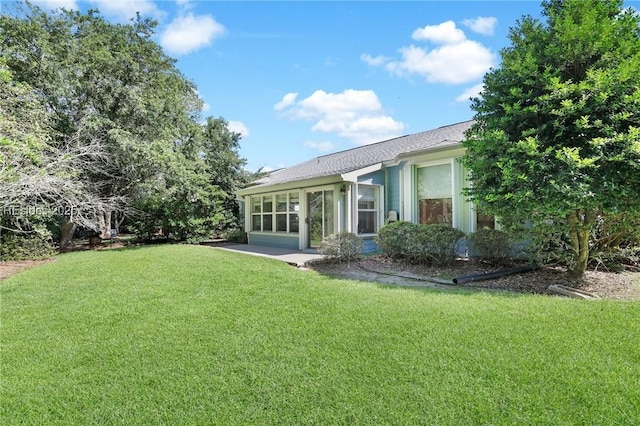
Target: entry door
x: 320, y: 218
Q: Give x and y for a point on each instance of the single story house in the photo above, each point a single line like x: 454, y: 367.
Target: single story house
x: 416, y: 178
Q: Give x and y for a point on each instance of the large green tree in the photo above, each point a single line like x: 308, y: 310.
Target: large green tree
x: 557, y: 131
x: 112, y: 85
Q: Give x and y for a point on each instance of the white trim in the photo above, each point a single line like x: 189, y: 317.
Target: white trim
x: 353, y: 176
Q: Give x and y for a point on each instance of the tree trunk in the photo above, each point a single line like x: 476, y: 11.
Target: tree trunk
x: 104, y: 221
x: 579, y: 222
x: 67, y: 229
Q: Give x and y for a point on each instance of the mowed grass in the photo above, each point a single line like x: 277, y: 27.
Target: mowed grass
x: 193, y: 335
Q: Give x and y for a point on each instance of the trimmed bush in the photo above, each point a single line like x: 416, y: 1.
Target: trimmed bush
x: 237, y: 236
x: 392, y: 238
x: 341, y: 247
x: 433, y: 244
x: 490, y: 245
x: 34, y: 246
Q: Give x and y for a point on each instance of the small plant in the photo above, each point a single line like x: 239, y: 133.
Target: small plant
x: 341, y: 247
x: 237, y: 236
x: 490, y: 245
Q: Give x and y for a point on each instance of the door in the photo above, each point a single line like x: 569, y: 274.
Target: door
x: 320, y: 217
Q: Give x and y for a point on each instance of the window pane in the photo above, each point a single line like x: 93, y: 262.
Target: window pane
x: 267, y: 204
x: 485, y: 221
x: 256, y: 205
x: 256, y: 223
x: 281, y: 222
x: 437, y: 210
x: 367, y: 223
x: 293, y: 223
x: 367, y: 196
x: 294, y: 202
x: 267, y: 223
x: 434, y: 182
x: 281, y: 203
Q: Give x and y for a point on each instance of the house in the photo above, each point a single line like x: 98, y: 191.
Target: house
x: 415, y: 178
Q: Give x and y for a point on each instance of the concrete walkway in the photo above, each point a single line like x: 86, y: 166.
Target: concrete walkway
x: 292, y: 257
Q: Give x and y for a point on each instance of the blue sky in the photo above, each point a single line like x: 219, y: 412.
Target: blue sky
x: 302, y: 79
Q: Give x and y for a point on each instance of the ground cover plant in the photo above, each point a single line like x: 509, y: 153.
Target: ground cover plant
x: 195, y: 335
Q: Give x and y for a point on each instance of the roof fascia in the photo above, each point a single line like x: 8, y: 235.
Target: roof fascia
x: 286, y: 186
x: 353, y: 175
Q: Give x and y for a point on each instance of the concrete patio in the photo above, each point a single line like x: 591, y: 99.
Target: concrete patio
x: 292, y: 257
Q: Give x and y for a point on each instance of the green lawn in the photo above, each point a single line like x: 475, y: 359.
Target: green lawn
x: 193, y: 335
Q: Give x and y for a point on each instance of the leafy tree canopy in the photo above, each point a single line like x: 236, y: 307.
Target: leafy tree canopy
x: 557, y: 131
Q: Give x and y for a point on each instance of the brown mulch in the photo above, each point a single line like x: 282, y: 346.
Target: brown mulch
x: 610, y: 285
x: 13, y: 267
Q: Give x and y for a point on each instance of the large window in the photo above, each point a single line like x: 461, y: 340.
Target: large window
x: 435, y: 200
x: 279, y: 213
x: 368, y: 207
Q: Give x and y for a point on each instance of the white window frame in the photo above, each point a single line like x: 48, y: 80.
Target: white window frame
x: 274, y: 211
x: 454, y: 204
x: 378, y: 189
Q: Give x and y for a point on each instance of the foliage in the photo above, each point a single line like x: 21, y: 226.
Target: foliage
x: 558, y: 124
x: 237, y: 236
x: 179, y: 334
x: 110, y: 91
x: 490, y: 245
x: 433, y: 244
x: 341, y: 247
x: 34, y: 245
x: 392, y: 238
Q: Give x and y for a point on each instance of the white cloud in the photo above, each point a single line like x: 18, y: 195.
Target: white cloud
x: 482, y: 24
x: 124, y: 10
x: 455, y: 59
x: 48, y: 5
x: 287, y: 100
x: 320, y: 146
x: 353, y: 114
x: 374, y: 61
x: 471, y: 92
x: 238, y: 127
x: 188, y: 33
x: 445, y: 33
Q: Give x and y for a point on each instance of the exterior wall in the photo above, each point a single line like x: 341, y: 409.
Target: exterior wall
x: 369, y: 245
x: 393, y: 192
x: 274, y: 240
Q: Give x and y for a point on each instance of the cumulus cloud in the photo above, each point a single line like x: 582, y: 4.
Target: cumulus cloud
x: 238, y: 127
x: 453, y: 59
x: 288, y: 100
x: 319, y: 146
x: 124, y: 10
x: 353, y: 114
x: 471, y: 92
x: 188, y: 33
x: 482, y: 24
x: 56, y: 4
x: 445, y: 33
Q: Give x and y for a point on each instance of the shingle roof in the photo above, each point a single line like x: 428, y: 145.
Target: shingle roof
x: 367, y: 155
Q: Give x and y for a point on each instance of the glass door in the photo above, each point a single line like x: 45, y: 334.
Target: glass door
x: 320, y: 216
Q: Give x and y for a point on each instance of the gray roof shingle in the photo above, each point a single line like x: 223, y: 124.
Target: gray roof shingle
x: 367, y: 155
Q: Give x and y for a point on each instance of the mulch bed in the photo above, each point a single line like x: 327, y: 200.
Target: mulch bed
x: 622, y: 286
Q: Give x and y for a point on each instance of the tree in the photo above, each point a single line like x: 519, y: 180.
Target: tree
x: 557, y: 131
x: 36, y: 178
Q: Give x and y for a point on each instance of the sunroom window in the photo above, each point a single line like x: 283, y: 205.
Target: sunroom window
x: 275, y: 212
x: 368, y: 206
x: 435, y: 199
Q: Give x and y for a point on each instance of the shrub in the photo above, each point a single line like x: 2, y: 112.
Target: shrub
x: 490, y: 245
x: 36, y: 245
x: 341, y: 247
x: 392, y: 238
x: 433, y: 244
x: 237, y: 236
